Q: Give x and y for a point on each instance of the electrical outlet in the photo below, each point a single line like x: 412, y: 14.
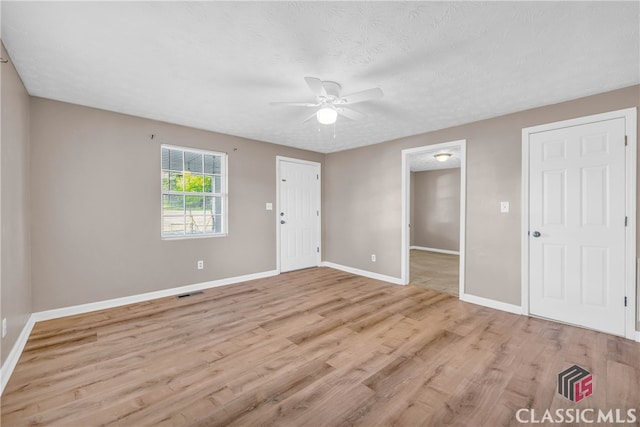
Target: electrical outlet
x: 373, y: 257
x: 269, y: 206
x: 504, y: 207
x: 200, y: 264
x: 4, y: 327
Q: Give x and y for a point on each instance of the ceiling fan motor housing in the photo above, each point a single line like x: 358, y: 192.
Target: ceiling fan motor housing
x: 333, y: 91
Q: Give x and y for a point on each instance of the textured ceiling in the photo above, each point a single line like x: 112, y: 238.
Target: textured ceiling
x: 217, y: 65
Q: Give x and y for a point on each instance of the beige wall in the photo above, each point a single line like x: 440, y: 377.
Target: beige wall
x: 95, y: 201
x: 96, y: 207
x: 363, y: 195
x: 15, y: 264
x: 435, y: 209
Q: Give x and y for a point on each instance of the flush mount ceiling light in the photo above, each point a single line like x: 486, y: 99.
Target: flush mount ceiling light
x: 442, y: 157
x: 327, y: 115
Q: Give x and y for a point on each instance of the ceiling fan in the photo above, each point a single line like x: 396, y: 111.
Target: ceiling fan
x: 330, y: 103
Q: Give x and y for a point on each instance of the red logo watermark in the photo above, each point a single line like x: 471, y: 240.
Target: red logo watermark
x: 575, y: 383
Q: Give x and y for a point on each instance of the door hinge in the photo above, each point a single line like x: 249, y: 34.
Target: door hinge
x: 318, y: 249
x: 625, y: 301
x: 318, y: 176
x: 626, y: 221
x: 625, y: 140
x: 317, y: 213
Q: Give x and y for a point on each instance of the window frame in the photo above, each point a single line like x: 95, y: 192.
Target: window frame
x: 223, y: 194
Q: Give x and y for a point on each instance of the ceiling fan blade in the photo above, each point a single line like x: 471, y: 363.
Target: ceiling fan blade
x: 294, y: 104
x: 315, y: 84
x: 313, y: 116
x: 349, y: 113
x: 365, y: 95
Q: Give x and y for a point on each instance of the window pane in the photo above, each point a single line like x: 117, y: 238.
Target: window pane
x: 217, y: 224
x: 217, y: 164
x: 176, y: 181
x: 195, y: 203
x: 208, y: 184
x: 208, y: 214
x: 193, y: 183
x: 213, y: 205
x: 208, y: 163
x: 212, y: 164
x: 216, y: 183
x: 195, y: 224
x: 165, y: 180
x: 172, y: 160
x: 172, y: 225
x: 193, y: 162
x: 172, y: 205
x: 165, y: 158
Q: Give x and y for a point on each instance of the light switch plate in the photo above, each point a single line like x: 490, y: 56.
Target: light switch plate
x: 504, y: 207
x: 269, y: 206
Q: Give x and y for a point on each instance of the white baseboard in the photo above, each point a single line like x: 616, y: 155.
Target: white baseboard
x: 441, y: 251
x: 18, y: 347
x: 117, y: 302
x: 486, y: 302
x: 12, y: 359
x: 369, y: 274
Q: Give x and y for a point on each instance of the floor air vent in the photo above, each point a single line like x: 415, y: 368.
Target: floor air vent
x: 190, y: 294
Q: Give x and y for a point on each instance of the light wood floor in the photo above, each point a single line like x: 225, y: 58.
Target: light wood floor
x: 316, y: 347
x: 433, y: 270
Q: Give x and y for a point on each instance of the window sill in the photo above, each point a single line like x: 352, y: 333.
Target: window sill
x: 194, y: 236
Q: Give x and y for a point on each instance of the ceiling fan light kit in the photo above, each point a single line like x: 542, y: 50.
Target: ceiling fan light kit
x: 327, y: 115
x: 330, y: 103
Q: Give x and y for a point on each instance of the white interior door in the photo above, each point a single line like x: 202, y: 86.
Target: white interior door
x: 299, y: 214
x: 577, y: 225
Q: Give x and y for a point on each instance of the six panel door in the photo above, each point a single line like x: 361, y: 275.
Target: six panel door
x: 577, y: 225
x: 299, y: 214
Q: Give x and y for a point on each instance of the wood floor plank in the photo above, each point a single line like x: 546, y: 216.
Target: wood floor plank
x: 313, y: 347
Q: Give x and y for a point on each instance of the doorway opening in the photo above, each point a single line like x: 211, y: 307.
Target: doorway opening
x: 433, y: 216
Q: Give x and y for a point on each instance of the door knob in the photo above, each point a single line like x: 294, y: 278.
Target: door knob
x: 536, y: 234
x: 282, y: 222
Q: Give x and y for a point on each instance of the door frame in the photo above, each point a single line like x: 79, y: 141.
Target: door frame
x: 406, y: 207
x: 630, y: 116
x: 277, y: 211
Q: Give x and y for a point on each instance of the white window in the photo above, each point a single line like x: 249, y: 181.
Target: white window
x: 193, y: 192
